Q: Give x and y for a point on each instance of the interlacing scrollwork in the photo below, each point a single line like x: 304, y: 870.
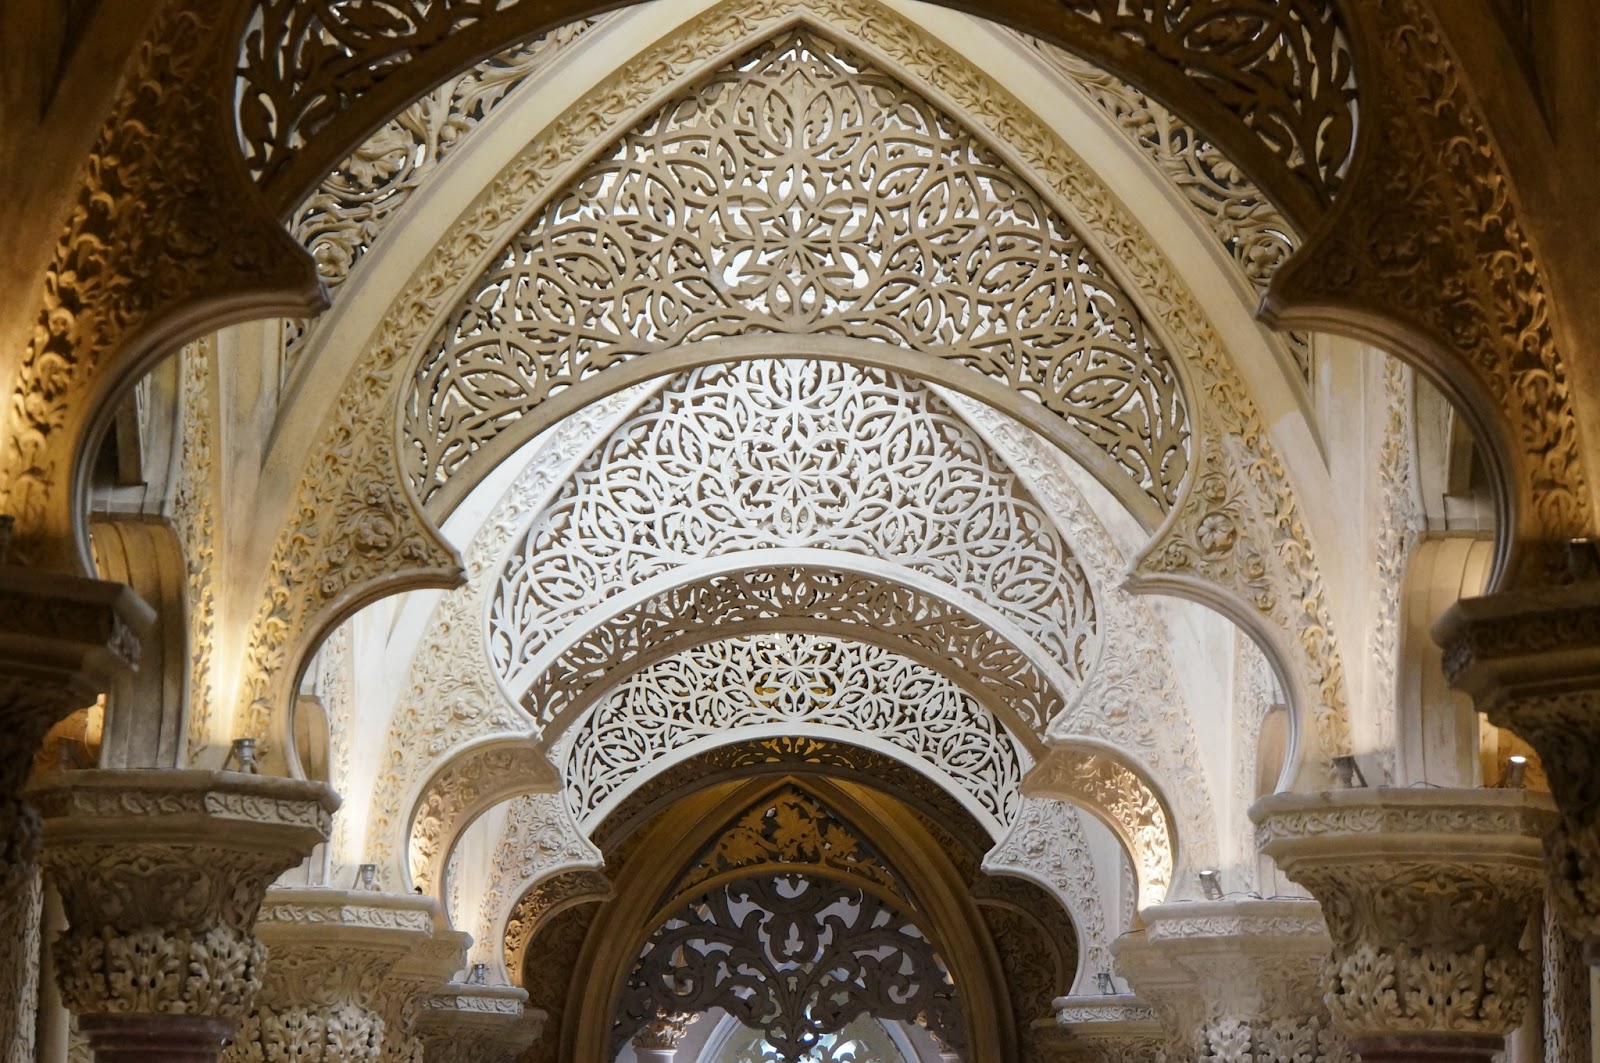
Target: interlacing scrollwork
x: 793, y: 453
x: 795, y: 956
x: 194, y: 516
x: 863, y: 1041
x: 801, y: 191
x: 787, y: 680
x: 342, y: 220
x: 871, y: 608
x: 443, y: 705
x: 1252, y: 231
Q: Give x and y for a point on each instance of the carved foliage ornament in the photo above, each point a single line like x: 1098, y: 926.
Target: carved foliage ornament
x: 794, y: 956
x: 543, y: 900
x: 793, y: 453
x: 780, y: 681
x: 801, y: 191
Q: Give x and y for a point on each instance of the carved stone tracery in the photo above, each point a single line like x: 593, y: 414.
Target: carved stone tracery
x: 843, y: 203
x: 795, y: 956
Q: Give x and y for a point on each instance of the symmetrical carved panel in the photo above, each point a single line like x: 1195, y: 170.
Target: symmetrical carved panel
x: 869, y: 608
x: 780, y: 681
x: 801, y: 191
x: 792, y: 453
x: 794, y: 956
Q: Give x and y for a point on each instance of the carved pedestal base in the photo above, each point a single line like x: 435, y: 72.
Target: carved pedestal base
x: 161, y: 874
x: 1427, y: 896
x: 155, y: 1038
x: 1107, y: 1029
x: 477, y: 1024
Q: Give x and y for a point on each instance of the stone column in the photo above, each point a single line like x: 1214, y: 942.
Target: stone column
x: 161, y: 874
x: 62, y: 642
x: 1427, y: 895
x: 1236, y: 979
x: 430, y: 968
x: 469, y: 1023
x: 658, y: 1041
x: 330, y: 953
x: 1107, y: 1029
x: 1530, y: 660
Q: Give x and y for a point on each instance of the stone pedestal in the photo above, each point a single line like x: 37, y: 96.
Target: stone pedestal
x: 1236, y: 979
x: 1107, y: 1029
x: 62, y: 642
x: 1427, y: 894
x: 331, y: 951
x: 1530, y: 660
x: 161, y: 875
x: 467, y: 1023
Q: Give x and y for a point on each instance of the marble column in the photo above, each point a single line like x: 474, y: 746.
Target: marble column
x: 331, y: 952
x: 1530, y: 660
x: 1427, y: 894
x: 161, y: 875
x: 62, y: 642
x: 1236, y: 979
x: 472, y: 1023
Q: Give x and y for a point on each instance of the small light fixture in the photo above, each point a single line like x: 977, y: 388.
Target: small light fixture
x: 1211, y: 885
x: 243, y: 754
x: 1583, y: 560
x: 1106, y: 987
x: 1349, y: 772
x: 368, y: 876
x: 1516, y: 776
x: 480, y: 974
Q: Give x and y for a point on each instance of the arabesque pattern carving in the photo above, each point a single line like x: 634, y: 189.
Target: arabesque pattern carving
x: 443, y: 705
x: 538, y: 839
x: 1046, y: 844
x: 793, y: 453
x: 784, y: 680
x: 1252, y: 231
x: 859, y: 208
x: 194, y: 514
x: 915, y: 624
x: 794, y: 956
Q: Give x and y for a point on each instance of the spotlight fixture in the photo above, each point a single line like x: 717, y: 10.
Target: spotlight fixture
x: 1107, y: 988
x: 1516, y: 774
x: 1349, y: 772
x: 368, y: 876
x: 243, y: 754
x: 480, y: 974
x: 1211, y: 885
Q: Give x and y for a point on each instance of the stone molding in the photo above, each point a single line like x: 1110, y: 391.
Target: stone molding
x: 161, y: 874
x: 1427, y: 894
x: 467, y: 1023
x: 1116, y: 1028
x: 322, y: 995
x: 1237, y: 978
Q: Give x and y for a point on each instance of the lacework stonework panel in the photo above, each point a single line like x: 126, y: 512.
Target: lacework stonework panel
x: 792, y: 453
x: 800, y: 191
x: 794, y: 957
x: 342, y: 220
x: 679, y: 618
x: 1249, y: 227
x: 786, y: 680
x: 863, y: 1041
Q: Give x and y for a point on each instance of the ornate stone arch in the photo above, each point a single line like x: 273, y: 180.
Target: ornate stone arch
x: 1280, y: 539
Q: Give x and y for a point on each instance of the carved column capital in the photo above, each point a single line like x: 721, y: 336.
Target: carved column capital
x: 665, y: 1033
x: 1427, y: 894
x: 161, y: 874
x: 1239, y: 978
x: 332, y: 950
x: 1115, y: 1028
x: 1530, y: 661
x: 465, y: 1023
